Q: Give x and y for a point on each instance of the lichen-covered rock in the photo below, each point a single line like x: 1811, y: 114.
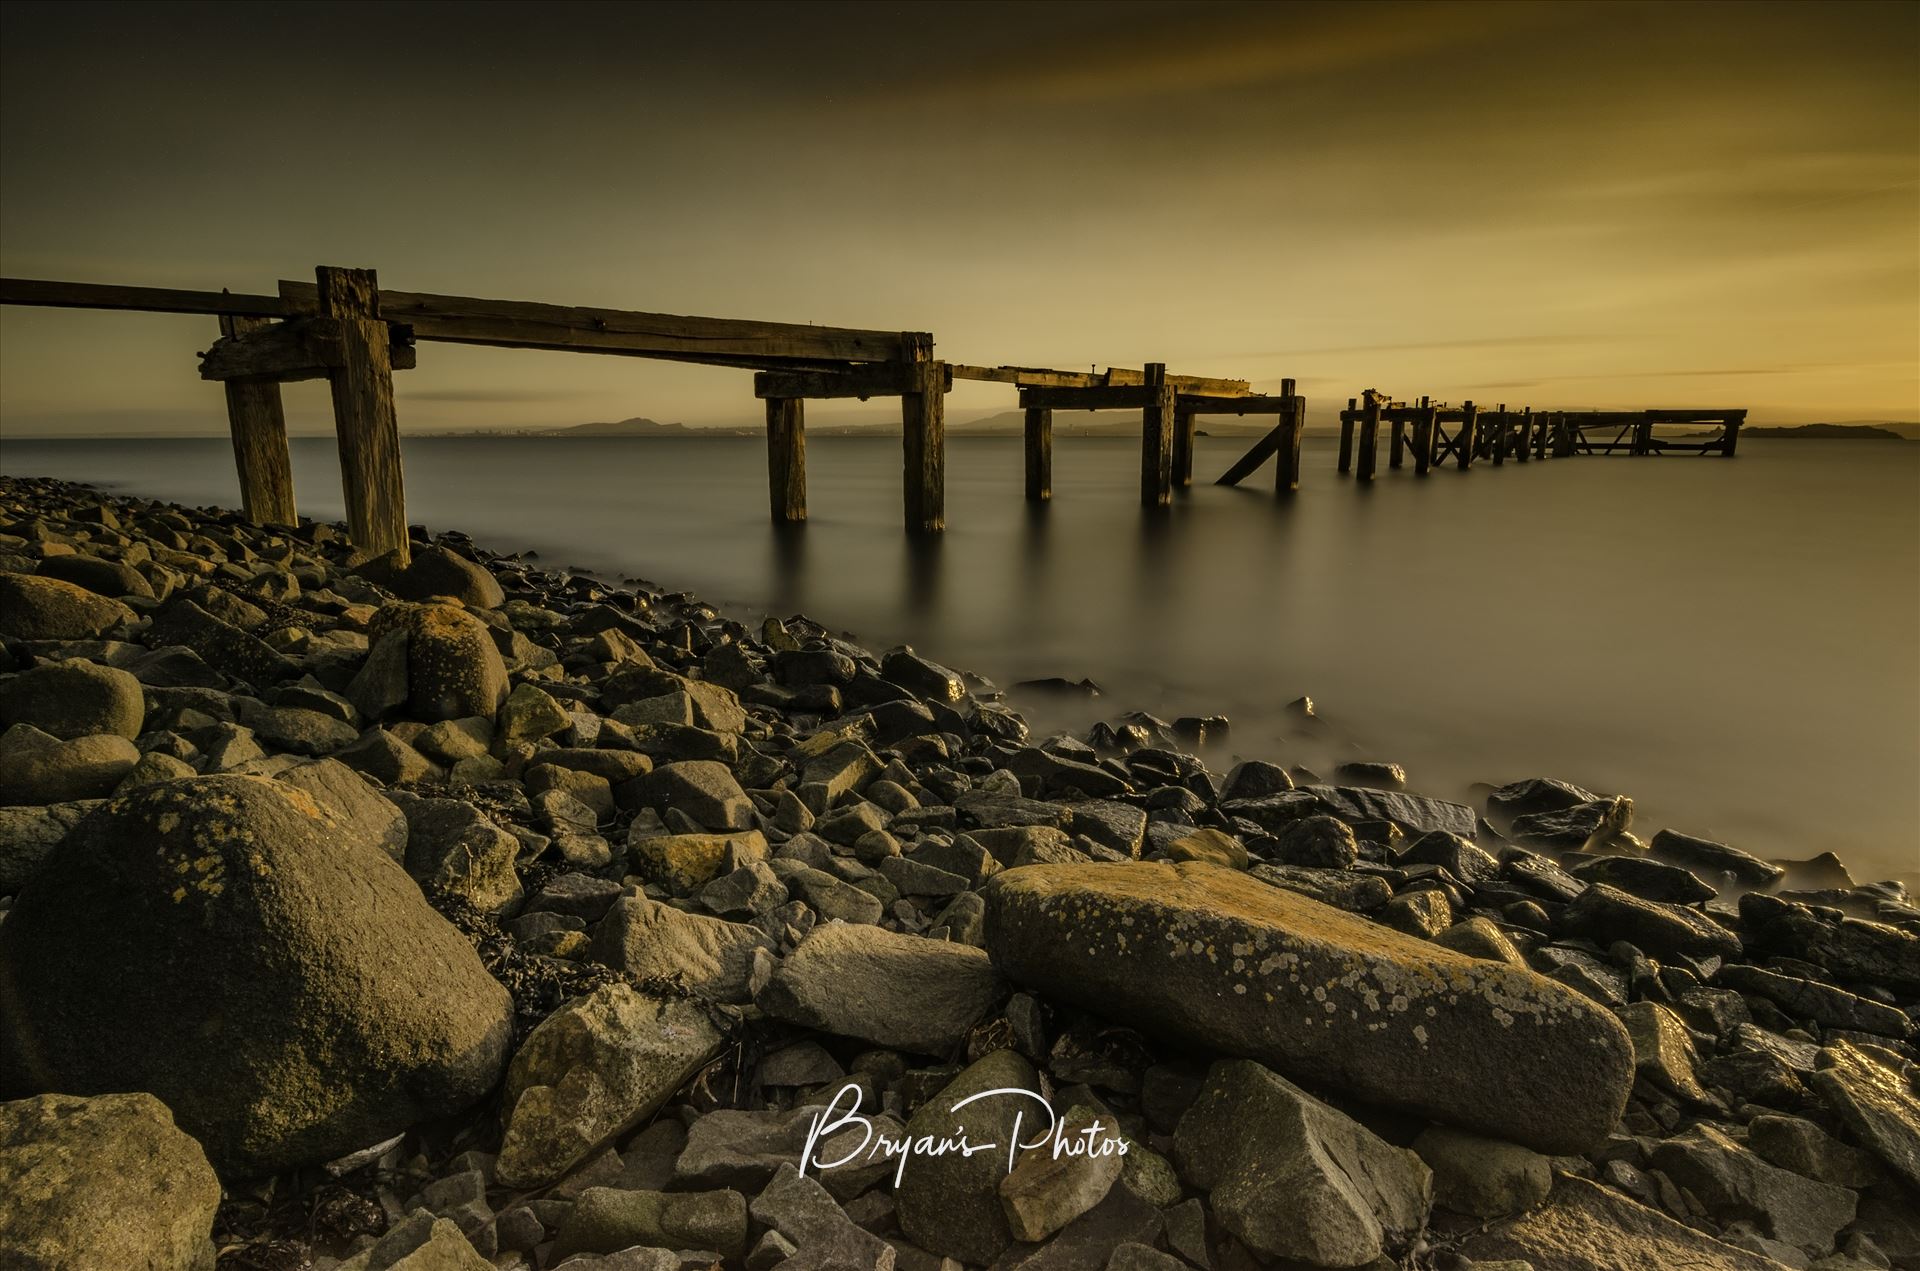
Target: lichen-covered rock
x: 230, y: 945
x: 75, y: 698
x: 901, y: 991
x: 34, y: 608
x: 102, y: 1184
x: 453, y: 666
x: 28, y: 834
x: 38, y: 768
x: 1216, y: 957
x: 645, y: 939
x: 684, y: 863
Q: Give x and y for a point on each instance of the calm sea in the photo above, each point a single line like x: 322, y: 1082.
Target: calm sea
x: 1734, y: 644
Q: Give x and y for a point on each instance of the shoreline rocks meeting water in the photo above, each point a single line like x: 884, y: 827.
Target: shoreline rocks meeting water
x: 470, y: 914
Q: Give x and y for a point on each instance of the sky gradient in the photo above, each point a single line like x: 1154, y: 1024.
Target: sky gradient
x: 1552, y: 205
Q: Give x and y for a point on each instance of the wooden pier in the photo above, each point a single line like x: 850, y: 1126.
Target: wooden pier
x: 344, y: 328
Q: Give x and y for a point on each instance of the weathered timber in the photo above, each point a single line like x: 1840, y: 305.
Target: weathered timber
x: 363, y: 418
x: 1039, y: 454
x: 1112, y: 377
x: 1467, y: 437
x: 1502, y: 434
x: 96, y: 295
x: 923, y: 422
x: 1156, y: 440
x: 1113, y: 397
x: 787, y: 459
x: 1346, y: 437
x: 1182, y: 444
x: 1293, y: 423
x: 1733, y: 434
x: 1276, y: 439
x: 874, y: 379
x: 1523, y: 436
x: 296, y: 349
x: 258, y: 424
x: 1397, y: 447
x: 1252, y: 404
x: 1423, y: 425
x: 1369, y: 436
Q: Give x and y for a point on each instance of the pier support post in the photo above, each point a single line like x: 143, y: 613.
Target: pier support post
x: 1469, y: 435
x: 258, y: 424
x: 1397, y: 446
x: 1346, y: 436
x: 1502, y: 434
x: 923, y: 417
x: 1423, y: 439
x: 1156, y: 441
x: 787, y: 459
x: 1369, y: 437
x: 1733, y: 435
x: 363, y: 418
x: 1182, y: 447
x: 1524, y: 452
x: 1039, y: 455
x: 1642, y: 438
x: 1293, y: 419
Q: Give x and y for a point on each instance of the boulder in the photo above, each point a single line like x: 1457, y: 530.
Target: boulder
x: 1481, y: 1177
x: 48, y: 609
x: 1647, y: 879
x: 1057, y: 1181
x: 807, y: 1217
x: 29, y: 833
x: 684, y: 863
x: 1291, y: 1177
x: 1575, y: 829
x: 453, y: 667
x: 1735, y: 1183
x: 1851, y: 949
x: 230, y: 945
x: 1316, y: 842
x: 347, y: 795
x: 610, y: 1219
x: 220, y: 644
x: 436, y: 571
x: 701, y: 788
x: 1604, y: 914
x: 1587, y: 1227
x: 75, y: 698
x: 949, y: 1203
x: 649, y: 940
x: 1215, y: 957
x: 102, y: 1184
x: 1714, y: 859
x: 421, y: 1243
x: 1535, y: 795
x: 36, y: 767
x: 899, y: 991
x: 731, y: 1148
x: 1414, y: 814
x: 452, y: 847
x: 98, y: 575
x: 1876, y: 1100
x: 592, y: 1070
x: 1824, y: 1004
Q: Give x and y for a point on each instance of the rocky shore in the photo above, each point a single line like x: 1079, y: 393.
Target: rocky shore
x: 472, y: 914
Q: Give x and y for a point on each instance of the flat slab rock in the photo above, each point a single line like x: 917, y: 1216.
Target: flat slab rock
x: 1215, y: 957
x: 901, y: 991
x: 1586, y: 1227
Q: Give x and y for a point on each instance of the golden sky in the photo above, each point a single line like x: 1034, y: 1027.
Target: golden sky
x: 1542, y: 204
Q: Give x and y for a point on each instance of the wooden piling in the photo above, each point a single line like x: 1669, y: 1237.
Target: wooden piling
x: 1182, y: 447
x: 1346, y: 436
x: 923, y: 417
x: 1293, y: 420
x: 1733, y: 435
x: 363, y: 420
x: 1642, y: 438
x: 1423, y: 439
x: 1039, y: 455
x: 1156, y: 441
x: 787, y: 459
x: 1502, y: 429
x: 258, y: 424
x: 1469, y: 435
x: 1397, y: 446
x: 1369, y: 437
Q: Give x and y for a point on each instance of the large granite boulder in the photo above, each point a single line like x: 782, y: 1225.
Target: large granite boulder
x: 232, y: 946
x: 904, y: 992
x: 36, y: 767
x: 75, y: 698
x: 453, y: 667
x: 1215, y: 957
x: 48, y: 609
x: 102, y: 1184
x: 949, y: 1202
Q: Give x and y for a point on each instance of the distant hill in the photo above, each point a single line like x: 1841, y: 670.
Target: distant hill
x: 1838, y: 432
x: 638, y: 427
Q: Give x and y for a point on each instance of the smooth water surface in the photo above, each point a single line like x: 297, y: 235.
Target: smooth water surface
x: 1736, y: 644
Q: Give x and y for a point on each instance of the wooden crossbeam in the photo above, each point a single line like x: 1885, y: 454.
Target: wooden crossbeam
x: 1113, y: 376
x: 297, y: 349
x: 877, y: 379
x: 95, y: 295
x: 1212, y: 404
x: 1114, y: 397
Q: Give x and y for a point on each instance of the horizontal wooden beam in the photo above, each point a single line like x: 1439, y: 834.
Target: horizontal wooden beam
x: 525, y: 325
x: 1212, y: 404
x: 875, y: 379
x: 297, y: 349
x: 1044, y: 377
x: 94, y: 295
x: 1115, y: 397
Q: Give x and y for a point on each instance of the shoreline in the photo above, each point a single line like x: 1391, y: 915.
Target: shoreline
x: 645, y: 819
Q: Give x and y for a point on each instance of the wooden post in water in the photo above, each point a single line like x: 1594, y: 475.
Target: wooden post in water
x: 787, y: 459
x: 363, y: 418
x: 1182, y: 447
x: 258, y: 424
x: 1397, y: 447
x: 1293, y: 416
x: 1423, y: 439
x: 1039, y: 455
x: 1502, y: 425
x: 1346, y: 437
x: 1469, y: 435
x: 923, y: 418
x: 1156, y: 441
x: 1369, y: 436
x: 1733, y: 434
x: 1642, y: 438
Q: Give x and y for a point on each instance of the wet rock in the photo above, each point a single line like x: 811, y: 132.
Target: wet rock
x: 928, y: 681
x: 1586, y: 1227
x: 29, y: 833
x: 48, y: 609
x: 1254, y: 779
x: 1291, y: 1177
x: 1423, y: 914
x: 649, y: 940
x: 1647, y: 879
x: 1604, y: 914
x: 102, y: 1184
x: 437, y: 572
x: 899, y: 991
x: 1576, y: 829
x: 1413, y: 814
x: 348, y: 1010
x: 950, y: 1203
x: 609, y: 1219
x: 1663, y: 1052
x: 1713, y: 859
x: 1479, y: 938
x: 1799, y: 1145
x: 1481, y: 1177
x: 1316, y: 842
x: 1734, y: 1183
x: 453, y: 847
x: 704, y: 790
x: 36, y: 767
x: 1215, y: 957
x: 1851, y: 949
x: 75, y: 698
x: 1822, y: 1003
x: 1452, y: 853
x: 1536, y: 795
x: 592, y: 1070
x: 1876, y: 1100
